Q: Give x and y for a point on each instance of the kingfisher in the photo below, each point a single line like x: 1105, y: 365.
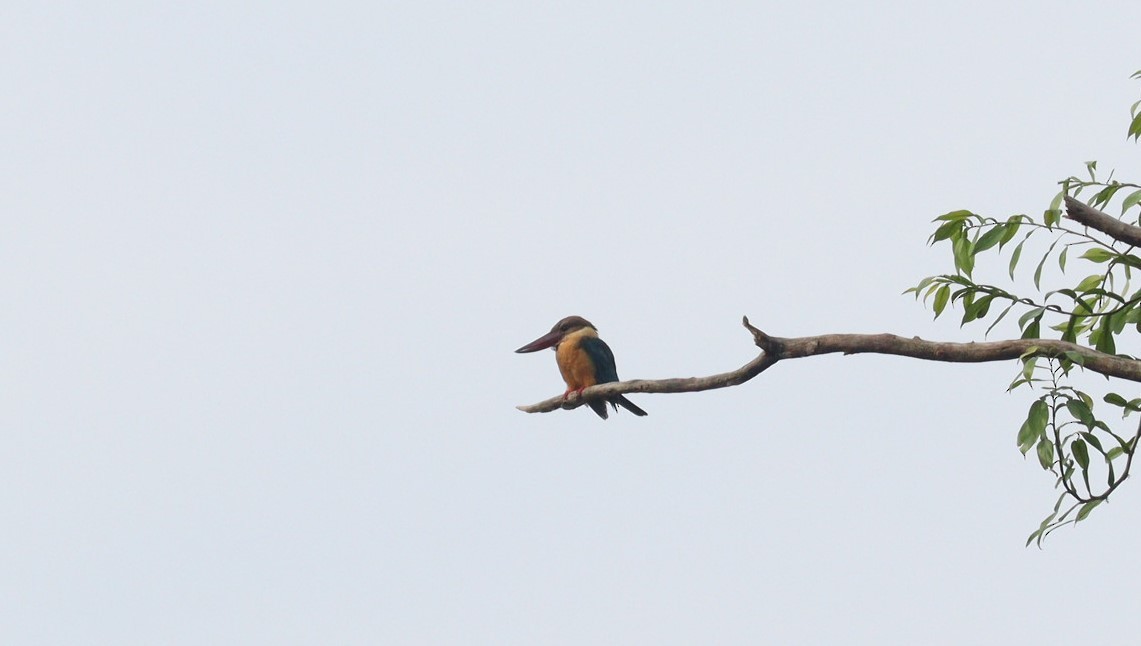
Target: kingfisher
x: 584, y: 360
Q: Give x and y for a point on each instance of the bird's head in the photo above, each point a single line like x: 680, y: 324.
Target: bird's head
x: 561, y: 329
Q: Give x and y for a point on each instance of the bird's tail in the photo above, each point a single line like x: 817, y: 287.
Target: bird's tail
x: 621, y: 400
x: 599, y: 407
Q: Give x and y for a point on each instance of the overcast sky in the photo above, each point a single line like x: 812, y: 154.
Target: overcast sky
x: 265, y: 265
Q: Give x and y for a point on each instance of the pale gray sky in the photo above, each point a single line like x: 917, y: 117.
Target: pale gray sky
x: 265, y: 264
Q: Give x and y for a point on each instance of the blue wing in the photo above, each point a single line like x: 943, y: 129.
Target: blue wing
x: 603, y: 359
x: 605, y: 372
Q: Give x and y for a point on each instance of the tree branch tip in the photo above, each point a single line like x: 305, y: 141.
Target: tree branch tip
x: 1093, y: 218
x: 762, y: 340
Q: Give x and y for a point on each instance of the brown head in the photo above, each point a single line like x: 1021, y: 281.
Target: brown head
x: 561, y: 329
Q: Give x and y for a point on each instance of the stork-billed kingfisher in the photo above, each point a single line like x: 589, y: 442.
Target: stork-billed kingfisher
x: 584, y: 359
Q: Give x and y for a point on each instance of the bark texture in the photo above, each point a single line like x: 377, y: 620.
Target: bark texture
x: 1085, y: 214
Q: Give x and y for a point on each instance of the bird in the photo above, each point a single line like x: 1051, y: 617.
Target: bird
x: 584, y: 360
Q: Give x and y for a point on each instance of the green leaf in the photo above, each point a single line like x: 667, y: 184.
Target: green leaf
x: 1038, y: 272
x: 1026, y: 437
x: 1033, y: 313
x: 1028, y: 367
x: 1087, y: 508
x: 1014, y: 258
x: 1000, y: 317
x: 1012, y: 224
x: 1092, y: 440
x: 1034, y: 330
x: 1129, y: 260
x: 1038, y: 416
x: 1133, y: 199
x: 1081, y: 453
x: 1097, y: 254
x: 982, y: 306
x: 930, y: 290
x: 1070, y: 330
x: 1034, y: 427
x: 1037, y: 534
x: 1054, y: 213
x: 990, y: 238
x: 1084, y: 306
x: 1102, y: 197
x: 1135, y: 128
x: 1076, y: 357
x: 952, y: 229
x: 1018, y: 381
x: 1115, y: 399
x: 955, y: 215
x: 918, y: 288
x: 941, y: 298
x: 1103, y: 295
x: 976, y: 309
x: 1045, y: 453
x: 1031, y: 323
x: 1117, y: 321
x: 964, y: 256
x: 1090, y: 282
x: 1062, y: 259
x: 1034, y: 535
x: 1105, y: 342
x: 1081, y: 412
x: 966, y: 295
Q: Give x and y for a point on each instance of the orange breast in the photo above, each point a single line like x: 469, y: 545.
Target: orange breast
x: 575, y: 364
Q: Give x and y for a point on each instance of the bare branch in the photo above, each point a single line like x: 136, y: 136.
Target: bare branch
x: 775, y: 349
x: 1082, y: 213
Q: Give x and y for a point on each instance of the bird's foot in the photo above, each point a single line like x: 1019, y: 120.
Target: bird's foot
x: 577, y: 394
